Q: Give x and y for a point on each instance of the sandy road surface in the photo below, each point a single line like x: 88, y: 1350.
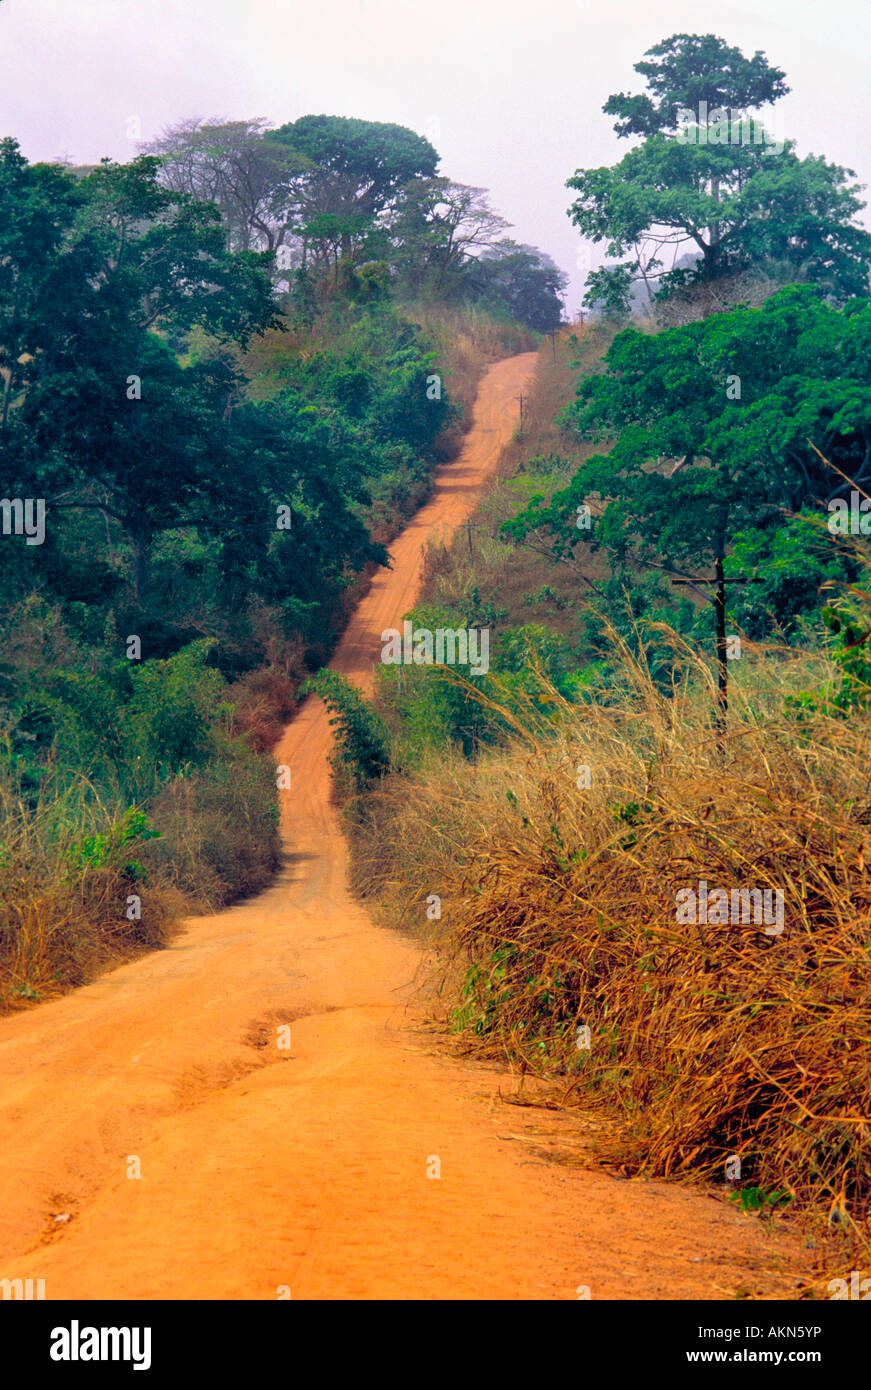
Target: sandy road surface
x: 264, y: 1168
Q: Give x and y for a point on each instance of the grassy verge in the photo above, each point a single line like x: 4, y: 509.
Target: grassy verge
x: 88, y: 879
x: 553, y: 879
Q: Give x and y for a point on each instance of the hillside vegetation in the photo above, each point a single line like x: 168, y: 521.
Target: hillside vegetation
x: 638, y: 835
x: 210, y: 429
x: 638, y: 842
x: 539, y: 826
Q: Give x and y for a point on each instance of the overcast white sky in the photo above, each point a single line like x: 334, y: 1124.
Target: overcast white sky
x: 509, y: 91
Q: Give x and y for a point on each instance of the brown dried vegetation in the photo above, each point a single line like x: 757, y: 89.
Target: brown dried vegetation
x: 558, y: 913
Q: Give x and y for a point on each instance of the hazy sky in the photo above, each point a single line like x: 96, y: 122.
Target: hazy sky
x: 509, y: 91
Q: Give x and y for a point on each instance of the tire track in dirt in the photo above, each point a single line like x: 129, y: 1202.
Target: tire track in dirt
x: 306, y: 1168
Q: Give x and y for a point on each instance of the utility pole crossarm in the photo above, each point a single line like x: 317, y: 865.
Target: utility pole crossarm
x: 748, y: 579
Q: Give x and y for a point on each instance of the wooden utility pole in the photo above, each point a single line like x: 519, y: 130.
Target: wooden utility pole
x: 474, y: 731
x: 722, y: 656
x: 719, y: 601
x: 520, y: 398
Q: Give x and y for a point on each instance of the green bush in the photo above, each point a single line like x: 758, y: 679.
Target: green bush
x: 362, y: 750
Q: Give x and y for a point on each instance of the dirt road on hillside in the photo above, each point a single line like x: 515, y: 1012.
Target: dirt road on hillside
x: 263, y: 1169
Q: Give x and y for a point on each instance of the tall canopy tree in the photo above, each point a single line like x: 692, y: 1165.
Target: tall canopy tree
x: 355, y: 172
x: 328, y: 195
x: 38, y: 205
x: 717, y: 187
x: 686, y: 70
x: 519, y: 281
x: 101, y: 416
x: 357, y: 165
x: 90, y: 265
x: 439, y: 227
x: 253, y: 181
x: 715, y: 425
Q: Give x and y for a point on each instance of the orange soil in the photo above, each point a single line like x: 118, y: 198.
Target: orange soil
x: 306, y: 1169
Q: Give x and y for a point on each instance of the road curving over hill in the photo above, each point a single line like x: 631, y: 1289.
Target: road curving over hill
x: 159, y: 1141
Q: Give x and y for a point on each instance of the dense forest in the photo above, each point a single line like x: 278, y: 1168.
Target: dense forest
x: 230, y: 367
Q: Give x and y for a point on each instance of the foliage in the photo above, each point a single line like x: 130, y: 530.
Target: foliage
x: 609, y: 290
x: 687, y: 69
x: 98, y: 850
x: 520, y: 282
x: 439, y: 230
x: 362, y: 750
x: 738, y: 401
x: 789, y: 565
x: 848, y: 619
x: 706, y: 187
x: 207, y: 382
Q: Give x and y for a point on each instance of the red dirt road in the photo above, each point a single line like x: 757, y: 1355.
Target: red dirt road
x: 264, y: 1169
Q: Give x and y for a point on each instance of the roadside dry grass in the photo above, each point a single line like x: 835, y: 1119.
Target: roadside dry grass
x: 545, y: 879
x: 557, y: 865
x: 64, y: 895
x: 87, y: 881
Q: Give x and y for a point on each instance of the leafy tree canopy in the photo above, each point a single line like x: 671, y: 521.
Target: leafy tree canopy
x: 720, y: 189
x: 253, y: 181
x: 519, y: 281
x: 687, y: 69
x: 367, y: 161
x: 712, y: 423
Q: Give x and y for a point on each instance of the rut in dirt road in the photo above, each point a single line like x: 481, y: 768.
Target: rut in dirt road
x: 196, y: 1157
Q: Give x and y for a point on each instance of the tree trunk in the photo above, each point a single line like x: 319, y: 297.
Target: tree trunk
x: 714, y: 229
x: 141, y: 538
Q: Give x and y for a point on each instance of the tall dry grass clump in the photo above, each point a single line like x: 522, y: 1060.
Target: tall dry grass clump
x: 88, y: 879
x: 562, y: 865
x: 69, y: 869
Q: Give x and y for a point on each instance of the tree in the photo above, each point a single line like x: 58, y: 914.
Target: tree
x: 253, y: 181
x: 99, y: 415
x: 344, y: 206
x: 738, y: 400
x: 687, y: 70
x: 38, y: 204
x: 609, y: 290
x: 289, y: 452
x: 790, y: 563
x: 519, y: 281
x: 717, y: 186
x: 88, y: 265
x: 158, y: 257
x: 438, y: 228
x: 354, y: 173
x: 357, y: 165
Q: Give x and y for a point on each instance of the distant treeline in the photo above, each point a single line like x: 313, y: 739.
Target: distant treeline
x: 359, y: 205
